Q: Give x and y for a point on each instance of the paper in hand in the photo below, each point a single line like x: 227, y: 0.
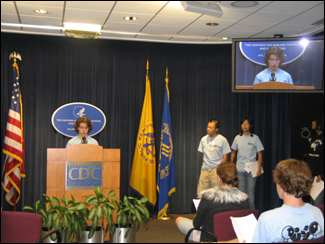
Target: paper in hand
x: 244, y: 227
x: 317, y: 188
x: 196, y: 203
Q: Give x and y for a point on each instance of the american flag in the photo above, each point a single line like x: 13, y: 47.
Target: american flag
x: 14, y: 165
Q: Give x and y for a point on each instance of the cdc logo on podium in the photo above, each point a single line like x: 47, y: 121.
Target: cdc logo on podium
x: 83, y: 175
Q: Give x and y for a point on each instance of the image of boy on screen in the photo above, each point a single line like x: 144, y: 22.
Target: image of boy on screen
x: 273, y: 58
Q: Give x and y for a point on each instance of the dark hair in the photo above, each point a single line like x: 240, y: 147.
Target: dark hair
x: 228, y: 173
x: 83, y: 120
x: 275, y: 51
x: 215, y: 121
x: 294, y: 177
x: 319, y: 123
x: 250, y: 122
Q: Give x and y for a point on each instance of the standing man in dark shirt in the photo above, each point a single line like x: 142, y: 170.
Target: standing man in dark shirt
x: 315, y: 156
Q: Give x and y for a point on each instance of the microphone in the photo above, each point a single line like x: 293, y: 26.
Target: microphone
x: 273, y: 75
x: 84, y: 141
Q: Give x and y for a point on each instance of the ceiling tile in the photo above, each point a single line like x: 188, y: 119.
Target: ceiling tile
x: 150, y: 7
x: 161, y: 29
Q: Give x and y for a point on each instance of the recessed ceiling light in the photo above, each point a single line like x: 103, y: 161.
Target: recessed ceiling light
x: 40, y: 11
x: 130, y: 18
x: 225, y: 38
x: 212, y: 24
x: 244, y: 4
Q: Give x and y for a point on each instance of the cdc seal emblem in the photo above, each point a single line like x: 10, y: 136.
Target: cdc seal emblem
x: 146, y: 144
x: 166, y: 140
x: 166, y: 150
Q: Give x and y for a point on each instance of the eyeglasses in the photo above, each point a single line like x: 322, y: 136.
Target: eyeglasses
x: 274, y: 60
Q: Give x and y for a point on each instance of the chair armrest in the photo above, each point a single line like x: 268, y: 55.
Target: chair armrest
x: 213, y: 239
x: 50, y: 233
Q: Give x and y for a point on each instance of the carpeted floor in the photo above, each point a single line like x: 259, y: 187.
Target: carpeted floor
x: 162, y: 231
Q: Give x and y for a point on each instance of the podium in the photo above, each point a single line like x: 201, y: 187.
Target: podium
x: 274, y: 85
x: 58, y: 158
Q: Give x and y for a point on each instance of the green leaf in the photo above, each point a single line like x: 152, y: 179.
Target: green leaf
x: 76, y: 225
x: 56, y: 200
x: 69, y: 234
x: 49, y: 221
x: 91, y: 233
x: 99, y: 212
x: 43, y: 213
x: 144, y: 199
x: 110, y: 205
x: 81, y: 206
x: 126, y: 201
x: 37, y: 205
x: 65, y: 220
x: 138, y: 215
x: 112, y: 230
x: 65, y: 200
x: 28, y: 207
x: 140, y: 209
x: 56, y: 216
x: 126, y: 209
x: 111, y: 193
x: 89, y: 198
x: 48, y: 199
x: 93, y: 227
x: 125, y: 220
x: 95, y: 222
x: 92, y: 213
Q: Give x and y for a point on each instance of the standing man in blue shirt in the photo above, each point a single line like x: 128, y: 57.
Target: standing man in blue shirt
x: 273, y: 58
x: 214, y: 149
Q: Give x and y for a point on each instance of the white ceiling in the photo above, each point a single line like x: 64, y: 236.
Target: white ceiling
x: 166, y: 21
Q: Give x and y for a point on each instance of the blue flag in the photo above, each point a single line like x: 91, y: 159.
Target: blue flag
x: 166, y: 173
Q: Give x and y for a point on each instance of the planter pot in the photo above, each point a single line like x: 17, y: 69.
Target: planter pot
x: 119, y: 234
x: 48, y: 239
x: 98, y: 237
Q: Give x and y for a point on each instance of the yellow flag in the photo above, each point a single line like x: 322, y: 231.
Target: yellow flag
x: 143, y: 175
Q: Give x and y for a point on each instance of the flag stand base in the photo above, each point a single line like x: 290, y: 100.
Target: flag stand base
x: 167, y: 217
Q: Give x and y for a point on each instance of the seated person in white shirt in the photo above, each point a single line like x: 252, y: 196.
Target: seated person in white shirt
x: 273, y: 58
x: 83, y: 127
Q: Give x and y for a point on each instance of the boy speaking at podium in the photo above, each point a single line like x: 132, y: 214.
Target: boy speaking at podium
x: 83, y: 126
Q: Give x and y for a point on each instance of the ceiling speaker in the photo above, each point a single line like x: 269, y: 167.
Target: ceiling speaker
x: 203, y: 7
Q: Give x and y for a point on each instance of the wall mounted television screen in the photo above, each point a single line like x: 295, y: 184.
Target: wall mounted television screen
x: 278, y: 65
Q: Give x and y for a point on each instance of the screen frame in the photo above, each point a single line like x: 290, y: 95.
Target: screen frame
x: 233, y: 65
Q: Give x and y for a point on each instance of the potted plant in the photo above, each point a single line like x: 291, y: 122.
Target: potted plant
x: 97, y: 207
x: 71, y: 218
x: 56, y: 216
x: 129, y: 216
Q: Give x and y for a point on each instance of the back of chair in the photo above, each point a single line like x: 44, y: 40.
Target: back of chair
x: 222, y: 225
x: 20, y: 227
x: 321, y: 207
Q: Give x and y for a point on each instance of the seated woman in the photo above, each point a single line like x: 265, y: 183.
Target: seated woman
x: 226, y: 197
